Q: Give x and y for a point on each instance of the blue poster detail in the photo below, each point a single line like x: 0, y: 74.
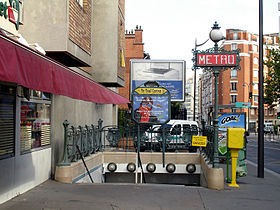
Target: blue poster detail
x: 174, y: 87
x: 150, y: 109
x: 231, y: 120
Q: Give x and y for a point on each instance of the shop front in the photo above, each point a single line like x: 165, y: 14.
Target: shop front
x: 32, y: 87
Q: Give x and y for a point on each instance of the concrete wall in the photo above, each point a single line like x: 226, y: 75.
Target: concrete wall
x: 76, y: 112
x: 47, y: 23
x: 23, y: 172
x: 105, y: 41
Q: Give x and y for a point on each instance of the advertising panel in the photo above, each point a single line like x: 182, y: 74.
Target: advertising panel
x: 229, y: 120
x: 168, y: 73
x: 151, y: 105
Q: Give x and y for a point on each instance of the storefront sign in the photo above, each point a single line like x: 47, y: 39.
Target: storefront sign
x: 216, y: 59
x: 10, y: 10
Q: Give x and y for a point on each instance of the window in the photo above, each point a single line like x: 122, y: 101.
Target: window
x: 252, y: 111
x: 256, y: 73
x: 7, y: 121
x: 234, y: 86
x: 35, y: 121
x: 235, y: 36
x: 176, y: 130
x: 233, y: 73
x: 233, y: 98
x: 80, y: 2
x: 255, y: 48
x: 270, y: 111
x: 255, y: 86
x: 256, y: 98
x: 234, y: 46
x: 256, y: 61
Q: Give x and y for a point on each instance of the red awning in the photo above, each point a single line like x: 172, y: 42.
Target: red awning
x: 22, y: 65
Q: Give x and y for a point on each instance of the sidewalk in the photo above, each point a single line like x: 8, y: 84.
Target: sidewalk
x: 254, y: 193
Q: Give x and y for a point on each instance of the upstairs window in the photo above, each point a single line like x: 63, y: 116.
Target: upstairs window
x: 233, y: 98
x: 234, y: 86
x: 234, y: 46
x: 233, y: 74
x: 235, y: 36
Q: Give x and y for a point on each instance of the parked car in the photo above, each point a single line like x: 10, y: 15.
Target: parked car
x: 268, y: 129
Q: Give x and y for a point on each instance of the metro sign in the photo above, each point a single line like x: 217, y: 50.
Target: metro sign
x: 216, y: 59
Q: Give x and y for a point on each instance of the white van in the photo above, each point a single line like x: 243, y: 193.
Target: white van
x: 181, y: 132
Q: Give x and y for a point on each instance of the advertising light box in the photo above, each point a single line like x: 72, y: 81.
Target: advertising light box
x: 169, y: 74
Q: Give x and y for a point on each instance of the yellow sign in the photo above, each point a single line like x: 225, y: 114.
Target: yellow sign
x: 155, y: 91
x: 199, y: 141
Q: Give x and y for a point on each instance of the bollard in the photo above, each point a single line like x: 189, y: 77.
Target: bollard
x: 235, y: 143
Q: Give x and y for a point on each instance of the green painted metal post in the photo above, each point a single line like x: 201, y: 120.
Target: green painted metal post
x: 163, y: 145
x: 75, y: 142
x: 99, y: 134
x: 215, y: 120
x: 228, y: 157
x: 65, y: 161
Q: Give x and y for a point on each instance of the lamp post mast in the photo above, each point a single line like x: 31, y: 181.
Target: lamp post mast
x: 216, y: 73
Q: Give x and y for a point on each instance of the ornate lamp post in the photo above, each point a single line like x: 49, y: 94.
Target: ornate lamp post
x: 216, y: 35
x: 216, y: 60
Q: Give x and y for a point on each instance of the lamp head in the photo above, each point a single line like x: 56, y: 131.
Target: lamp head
x: 216, y: 34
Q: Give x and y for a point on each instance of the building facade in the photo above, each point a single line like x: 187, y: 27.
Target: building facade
x: 189, y: 99
x: 38, y: 92
x: 240, y: 86
x: 134, y: 49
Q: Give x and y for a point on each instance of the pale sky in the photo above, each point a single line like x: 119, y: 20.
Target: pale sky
x: 171, y: 27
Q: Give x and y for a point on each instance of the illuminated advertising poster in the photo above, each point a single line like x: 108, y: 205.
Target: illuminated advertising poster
x: 151, y: 109
x: 228, y: 120
x: 168, y: 73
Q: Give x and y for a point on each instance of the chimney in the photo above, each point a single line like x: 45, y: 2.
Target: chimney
x: 138, y: 34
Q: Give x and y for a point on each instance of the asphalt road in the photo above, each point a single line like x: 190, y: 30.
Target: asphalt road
x: 271, y: 151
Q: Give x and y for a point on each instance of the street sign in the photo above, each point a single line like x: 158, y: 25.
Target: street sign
x: 243, y: 104
x: 216, y: 59
x: 199, y: 141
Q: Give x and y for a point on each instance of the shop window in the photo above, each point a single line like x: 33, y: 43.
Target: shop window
x: 7, y: 121
x: 35, y: 122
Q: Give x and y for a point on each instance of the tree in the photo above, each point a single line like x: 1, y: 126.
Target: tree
x: 272, y: 80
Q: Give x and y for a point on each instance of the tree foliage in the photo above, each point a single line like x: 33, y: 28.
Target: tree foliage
x: 272, y: 80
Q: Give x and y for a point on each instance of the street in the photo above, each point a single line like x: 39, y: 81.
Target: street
x: 271, y: 151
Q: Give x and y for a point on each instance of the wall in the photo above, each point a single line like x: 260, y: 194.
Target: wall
x: 47, y: 23
x: 134, y: 49
x: 76, y: 112
x: 80, y: 24
x: 23, y: 172
x: 105, y: 36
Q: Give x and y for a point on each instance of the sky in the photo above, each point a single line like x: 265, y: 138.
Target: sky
x: 171, y: 27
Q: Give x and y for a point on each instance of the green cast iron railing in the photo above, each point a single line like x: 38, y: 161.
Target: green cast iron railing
x: 160, y: 138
